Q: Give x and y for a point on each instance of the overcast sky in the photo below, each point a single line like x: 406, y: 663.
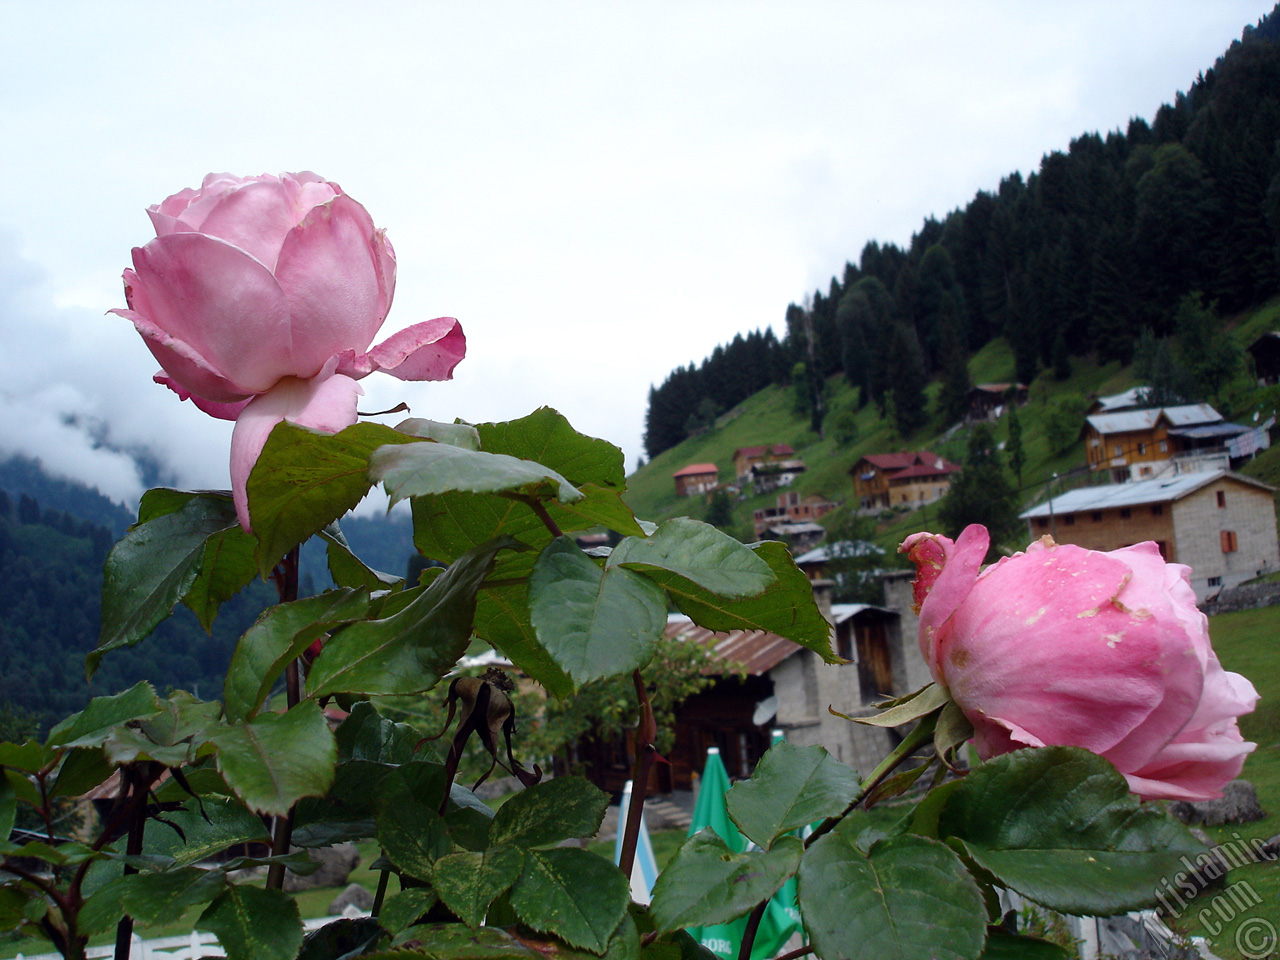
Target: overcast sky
x: 599, y: 192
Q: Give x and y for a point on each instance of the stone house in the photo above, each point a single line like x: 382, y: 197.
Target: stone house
x: 909, y: 478
x: 1221, y: 524
x: 695, y: 479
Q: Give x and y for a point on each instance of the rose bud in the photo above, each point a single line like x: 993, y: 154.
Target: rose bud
x: 260, y: 297
x: 1066, y: 646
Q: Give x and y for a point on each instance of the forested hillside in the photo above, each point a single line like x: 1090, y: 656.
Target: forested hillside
x: 1078, y: 259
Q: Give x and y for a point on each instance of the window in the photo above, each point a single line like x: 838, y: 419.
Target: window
x: 1069, y: 519
x: 1095, y: 441
x: 1146, y: 471
x: 1229, y: 544
x: 1042, y: 523
x: 1096, y: 516
x: 1125, y: 513
x: 1214, y: 582
x: 1157, y: 509
x: 1142, y: 448
x: 1118, y: 450
x: 1222, y: 499
x: 1164, y: 446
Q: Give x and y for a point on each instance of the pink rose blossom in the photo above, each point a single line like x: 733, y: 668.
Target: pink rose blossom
x: 260, y: 297
x: 1067, y: 646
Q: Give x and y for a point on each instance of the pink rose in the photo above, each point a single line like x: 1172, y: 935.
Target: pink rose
x: 260, y: 297
x: 1066, y: 646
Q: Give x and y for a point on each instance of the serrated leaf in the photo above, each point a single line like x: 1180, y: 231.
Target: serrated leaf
x: 707, y: 883
x: 688, y: 552
x: 910, y: 897
x: 304, y: 480
x: 226, y: 568
x: 595, y: 623
x: 502, y: 619
x: 549, y: 812
x: 82, y: 769
x: 347, y: 569
x: 455, y: 434
x: 92, y: 725
x: 155, y: 898
x: 468, y: 881
x: 574, y: 894
x: 791, y: 786
x: 342, y: 939
x: 423, y: 469
x: 1059, y: 826
x: 412, y: 649
x: 152, y: 568
x: 365, y: 735
x: 254, y: 924
x: 546, y: 437
x: 275, y: 759
x: 277, y: 638
x: 30, y: 755
x: 413, y: 836
x: 170, y: 737
x: 786, y: 608
x: 201, y: 828
x: 403, y: 910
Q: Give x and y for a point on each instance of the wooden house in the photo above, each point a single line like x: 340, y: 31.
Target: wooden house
x: 1139, y: 444
x: 744, y: 458
x: 695, y: 479
x: 911, y: 479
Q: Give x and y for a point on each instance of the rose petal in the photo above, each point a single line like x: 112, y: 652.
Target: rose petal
x: 330, y: 275
x: 223, y: 411
x: 946, y: 571
x: 425, y: 351
x: 186, y: 368
x: 255, y: 217
x: 219, y: 301
x: 327, y: 404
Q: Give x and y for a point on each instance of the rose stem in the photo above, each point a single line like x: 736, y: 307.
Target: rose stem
x: 285, y: 576
x: 646, y: 733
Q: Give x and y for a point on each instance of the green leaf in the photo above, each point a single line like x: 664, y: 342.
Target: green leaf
x: 161, y: 501
x: 8, y: 807
x: 254, y: 924
x: 502, y: 619
x: 347, y: 569
x: 275, y: 759
x: 574, y: 894
x: 201, y: 828
x: 791, y: 786
x: 786, y: 608
x: 152, y: 568
x: 403, y: 910
x: 412, y: 649
x: 171, y: 737
x: 455, y: 434
x: 456, y: 941
x: 279, y: 637
x: 1002, y: 945
x: 155, y: 898
x: 687, y: 554
x: 1059, y: 826
x: 413, y: 836
x: 909, y: 898
x: 549, y: 812
x: 365, y: 735
x: 29, y: 756
x: 422, y: 469
x: 91, y: 726
x: 594, y: 623
x: 926, y: 700
x: 226, y: 568
x: 546, y: 437
x: 82, y: 770
x: 707, y: 883
x: 304, y: 480
x: 468, y: 882
x: 22, y: 786
x: 343, y: 939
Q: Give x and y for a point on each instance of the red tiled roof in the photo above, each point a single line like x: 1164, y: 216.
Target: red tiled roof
x: 694, y: 469
x: 929, y: 468
x: 890, y: 461
x: 773, y: 450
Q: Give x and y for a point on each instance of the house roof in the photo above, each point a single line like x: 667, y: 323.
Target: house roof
x: 930, y: 468
x: 888, y: 461
x: 997, y: 388
x: 696, y: 469
x: 1133, y: 397
x: 779, y: 466
x: 1207, y: 431
x: 804, y: 526
x: 770, y: 450
x: 839, y: 550
x: 1187, y: 415
x: 840, y: 612
x: 1136, y: 493
x: 757, y: 651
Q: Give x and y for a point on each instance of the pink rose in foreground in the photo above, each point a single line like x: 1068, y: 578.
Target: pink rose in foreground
x: 260, y: 297
x: 1066, y: 646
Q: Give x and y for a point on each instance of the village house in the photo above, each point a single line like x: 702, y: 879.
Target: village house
x: 911, y: 479
x: 695, y: 479
x: 771, y: 475
x: 1142, y: 444
x: 792, y: 508
x: 817, y: 563
x: 744, y: 458
x: 1265, y: 352
x: 1135, y: 398
x: 1221, y: 524
x: 987, y: 401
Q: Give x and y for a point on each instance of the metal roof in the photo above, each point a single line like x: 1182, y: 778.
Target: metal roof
x: 757, y: 651
x: 1209, y: 430
x: 1133, y: 397
x: 1134, y: 493
x: 1188, y: 415
x: 846, y: 548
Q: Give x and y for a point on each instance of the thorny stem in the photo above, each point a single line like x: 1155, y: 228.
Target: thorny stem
x: 133, y: 847
x: 285, y: 576
x: 646, y: 733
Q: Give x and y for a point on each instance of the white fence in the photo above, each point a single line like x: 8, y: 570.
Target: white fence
x: 191, y: 947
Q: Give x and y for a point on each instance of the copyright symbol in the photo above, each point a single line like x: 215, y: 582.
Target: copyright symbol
x: 1255, y: 938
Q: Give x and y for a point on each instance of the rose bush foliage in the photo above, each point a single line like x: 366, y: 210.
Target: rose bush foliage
x: 260, y: 297
x: 1060, y: 645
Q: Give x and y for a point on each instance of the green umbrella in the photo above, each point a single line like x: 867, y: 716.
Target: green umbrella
x: 777, y: 925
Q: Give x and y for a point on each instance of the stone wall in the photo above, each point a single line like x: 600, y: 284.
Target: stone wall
x: 1246, y: 597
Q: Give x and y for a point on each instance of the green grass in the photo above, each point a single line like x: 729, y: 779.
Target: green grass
x: 1246, y: 643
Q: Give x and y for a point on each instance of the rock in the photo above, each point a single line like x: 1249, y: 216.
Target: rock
x: 354, y: 896
x: 336, y: 864
x: 1238, y: 804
